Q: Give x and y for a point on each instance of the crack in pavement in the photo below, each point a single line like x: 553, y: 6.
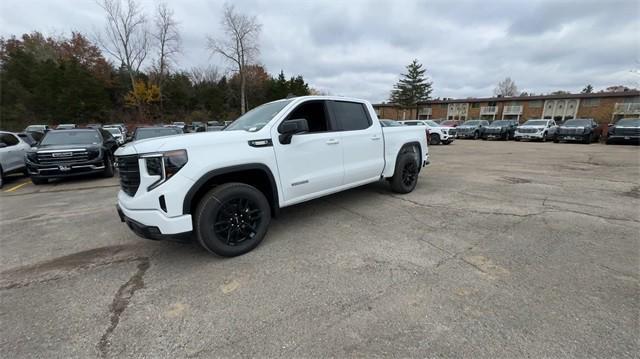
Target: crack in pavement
x: 121, y: 302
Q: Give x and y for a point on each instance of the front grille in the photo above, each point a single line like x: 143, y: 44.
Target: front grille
x: 62, y: 157
x: 465, y: 130
x: 571, y: 131
x: 527, y: 130
x: 492, y: 131
x: 129, y: 173
x: 627, y: 131
x: 452, y: 132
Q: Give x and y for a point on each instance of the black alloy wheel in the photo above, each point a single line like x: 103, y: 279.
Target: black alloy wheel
x: 237, y: 221
x: 410, y: 173
x: 232, y: 219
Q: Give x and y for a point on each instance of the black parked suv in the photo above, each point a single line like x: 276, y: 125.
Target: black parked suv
x: 625, y: 130
x: 584, y: 130
x: 471, y: 129
x: 67, y: 153
x: 500, y: 129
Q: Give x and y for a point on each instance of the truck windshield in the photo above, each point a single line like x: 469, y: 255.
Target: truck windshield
x: 72, y: 137
x: 500, y: 123
x: 257, y: 118
x: 432, y: 123
x: 471, y: 123
x: 535, y: 123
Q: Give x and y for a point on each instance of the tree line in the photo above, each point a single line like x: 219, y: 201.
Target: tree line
x: 128, y: 73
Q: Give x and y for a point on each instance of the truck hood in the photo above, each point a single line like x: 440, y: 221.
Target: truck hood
x: 534, y: 127
x: 64, y: 147
x: 184, y: 141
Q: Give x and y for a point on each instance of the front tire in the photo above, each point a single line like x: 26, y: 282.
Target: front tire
x: 476, y: 135
x: 232, y: 219
x: 108, y: 167
x: 434, y: 139
x: 405, y: 176
x: 1, y: 178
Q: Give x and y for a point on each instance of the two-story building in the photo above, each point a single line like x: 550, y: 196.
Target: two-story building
x: 604, y: 107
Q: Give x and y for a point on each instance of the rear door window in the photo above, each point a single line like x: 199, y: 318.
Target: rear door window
x: 350, y: 116
x: 9, y: 139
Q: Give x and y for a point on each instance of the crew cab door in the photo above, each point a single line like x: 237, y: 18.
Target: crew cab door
x: 362, y: 142
x: 312, y: 163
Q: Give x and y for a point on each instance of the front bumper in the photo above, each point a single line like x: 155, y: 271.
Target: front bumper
x: 164, y: 227
x: 571, y: 137
x: 621, y: 138
x: 426, y: 161
x: 65, y: 169
x: 465, y: 134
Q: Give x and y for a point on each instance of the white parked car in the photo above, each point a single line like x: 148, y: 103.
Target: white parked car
x: 116, y: 133
x: 223, y: 187
x: 12, y: 150
x: 541, y: 130
x: 437, y: 134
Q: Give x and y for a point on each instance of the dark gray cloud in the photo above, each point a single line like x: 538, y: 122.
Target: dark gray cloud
x: 359, y: 48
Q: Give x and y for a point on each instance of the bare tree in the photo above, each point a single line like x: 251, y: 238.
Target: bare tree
x: 125, y: 34
x: 506, y: 88
x: 239, y: 46
x: 202, y: 75
x: 167, y: 42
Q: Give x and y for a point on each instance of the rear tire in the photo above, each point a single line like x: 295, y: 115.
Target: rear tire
x: 1, y: 178
x: 232, y: 219
x: 405, y: 176
x: 434, y: 138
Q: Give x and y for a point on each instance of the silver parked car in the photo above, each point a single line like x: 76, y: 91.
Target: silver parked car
x: 12, y: 150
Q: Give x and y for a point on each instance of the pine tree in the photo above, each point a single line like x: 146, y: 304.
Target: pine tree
x: 412, y: 87
x: 587, y: 89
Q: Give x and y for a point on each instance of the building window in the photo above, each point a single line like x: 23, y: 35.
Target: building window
x: 535, y: 104
x: 475, y: 104
x: 492, y: 103
x: 591, y: 102
x: 514, y: 103
x: 443, y: 105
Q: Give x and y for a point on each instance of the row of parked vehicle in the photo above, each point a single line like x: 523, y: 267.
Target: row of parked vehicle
x: 42, y: 152
x: 585, y: 130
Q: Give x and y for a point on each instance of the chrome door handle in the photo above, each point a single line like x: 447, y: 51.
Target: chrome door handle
x: 332, y: 142
x: 375, y: 138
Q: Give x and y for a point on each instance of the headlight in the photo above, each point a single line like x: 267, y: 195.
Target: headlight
x: 165, y: 165
x: 32, y: 156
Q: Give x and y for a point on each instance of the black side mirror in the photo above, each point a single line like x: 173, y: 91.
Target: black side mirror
x: 292, y: 127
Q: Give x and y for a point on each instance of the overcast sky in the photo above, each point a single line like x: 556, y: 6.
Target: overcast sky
x: 359, y: 48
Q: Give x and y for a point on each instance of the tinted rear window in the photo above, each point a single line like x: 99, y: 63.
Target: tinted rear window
x: 351, y: 116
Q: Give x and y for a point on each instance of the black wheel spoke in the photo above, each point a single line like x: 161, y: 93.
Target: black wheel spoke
x: 237, y: 220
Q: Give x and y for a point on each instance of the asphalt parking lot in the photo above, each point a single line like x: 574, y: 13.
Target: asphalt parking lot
x: 503, y: 250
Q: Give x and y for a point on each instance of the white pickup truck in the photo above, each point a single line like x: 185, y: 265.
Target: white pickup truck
x: 223, y: 187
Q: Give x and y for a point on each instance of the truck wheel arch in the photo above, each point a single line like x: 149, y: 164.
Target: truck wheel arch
x: 253, y: 174
x: 406, y: 148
